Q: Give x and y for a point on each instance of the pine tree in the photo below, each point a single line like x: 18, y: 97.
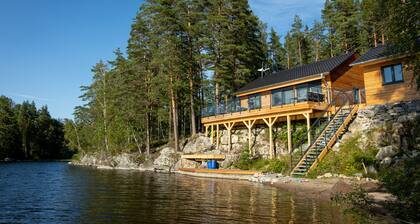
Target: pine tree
x: 9, y: 132
x: 277, y: 54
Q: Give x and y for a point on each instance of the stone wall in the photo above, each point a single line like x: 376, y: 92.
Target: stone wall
x: 392, y: 128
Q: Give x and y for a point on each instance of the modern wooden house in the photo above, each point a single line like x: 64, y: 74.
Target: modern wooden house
x: 386, y: 77
x: 325, y: 94
x: 301, y: 93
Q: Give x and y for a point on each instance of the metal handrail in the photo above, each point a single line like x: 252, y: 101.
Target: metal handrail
x: 316, y: 125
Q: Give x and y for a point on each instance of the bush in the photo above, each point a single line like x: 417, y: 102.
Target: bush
x: 349, y: 160
x: 246, y: 162
x: 402, y: 180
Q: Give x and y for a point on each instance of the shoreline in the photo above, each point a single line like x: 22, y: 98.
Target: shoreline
x: 323, y: 188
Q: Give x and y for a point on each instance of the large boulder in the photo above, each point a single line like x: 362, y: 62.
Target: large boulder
x: 384, y: 152
x: 125, y: 160
x: 166, y: 160
x: 197, y: 143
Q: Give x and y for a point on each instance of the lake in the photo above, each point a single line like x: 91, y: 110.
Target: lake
x: 55, y: 192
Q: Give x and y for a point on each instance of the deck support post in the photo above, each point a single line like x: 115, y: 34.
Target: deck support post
x: 289, y: 135
x: 217, y: 136
x: 270, y: 122
x: 212, y: 135
x: 229, y: 127
x: 207, y: 130
x: 308, y: 126
x: 249, y: 124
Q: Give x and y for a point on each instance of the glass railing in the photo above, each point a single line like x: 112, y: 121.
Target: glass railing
x: 234, y: 106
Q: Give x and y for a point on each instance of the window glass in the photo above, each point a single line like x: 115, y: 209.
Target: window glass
x: 387, y: 74
x: 288, y: 96
x: 302, y: 93
x: 398, y: 73
x: 315, y: 87
x: 254, y: 102
x: 276, y: 98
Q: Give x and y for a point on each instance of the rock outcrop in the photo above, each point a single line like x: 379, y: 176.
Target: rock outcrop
x: 392, y: 128
x: 166, y: 160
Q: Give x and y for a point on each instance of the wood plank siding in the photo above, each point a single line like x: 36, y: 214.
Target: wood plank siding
x: 379, y: 93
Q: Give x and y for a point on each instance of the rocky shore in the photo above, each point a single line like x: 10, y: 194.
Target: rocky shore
x: 390, y: 128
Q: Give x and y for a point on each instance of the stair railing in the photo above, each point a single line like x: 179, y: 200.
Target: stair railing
x: 340, y: 100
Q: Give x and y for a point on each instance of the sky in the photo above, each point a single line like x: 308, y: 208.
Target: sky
x: 48, y: 47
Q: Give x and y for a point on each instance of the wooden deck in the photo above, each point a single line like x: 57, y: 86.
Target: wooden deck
x: 219, y: 171
x: 204, y: 156
x: 282, y: 111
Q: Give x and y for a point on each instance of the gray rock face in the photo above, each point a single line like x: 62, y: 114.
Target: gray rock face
x: 125, y: 160
x: 386, y: 161
x: 197, y: 144
x: 166, y: 160
x: 384, y: 152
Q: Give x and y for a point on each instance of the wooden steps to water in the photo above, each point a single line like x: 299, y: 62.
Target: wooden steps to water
x: 219, y: 171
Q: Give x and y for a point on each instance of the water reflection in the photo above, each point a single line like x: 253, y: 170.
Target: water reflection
x: 58, y: 193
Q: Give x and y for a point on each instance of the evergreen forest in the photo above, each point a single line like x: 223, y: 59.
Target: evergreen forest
x: 28, y: 133
x: 186, y: 55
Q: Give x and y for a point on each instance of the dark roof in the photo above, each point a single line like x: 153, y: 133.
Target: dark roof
x: 373, y: 54
x: 297, y: 73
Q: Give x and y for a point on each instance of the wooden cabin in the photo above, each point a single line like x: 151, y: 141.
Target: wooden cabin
x: 301, y: 93
x: 386, y: 77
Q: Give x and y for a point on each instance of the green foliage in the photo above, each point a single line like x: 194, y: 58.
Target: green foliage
x: 402, y: 180
x: 298, y: 130
x: 28, y: 133
x: 246, y: 162
x: 348, y: 161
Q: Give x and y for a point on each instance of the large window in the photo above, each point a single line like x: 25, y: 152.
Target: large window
x: 304, y: 92
x: 392, y: 74
x: 254, y: 102
x: 276, y: 98
x: 282, y: 96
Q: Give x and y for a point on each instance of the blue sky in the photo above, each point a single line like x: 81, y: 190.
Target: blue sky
x: 47, y: 47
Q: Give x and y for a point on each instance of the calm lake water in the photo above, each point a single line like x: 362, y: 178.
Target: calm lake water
x: 55, y: 192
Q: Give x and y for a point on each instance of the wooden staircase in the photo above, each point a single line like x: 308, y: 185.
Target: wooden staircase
x: 325, y: 140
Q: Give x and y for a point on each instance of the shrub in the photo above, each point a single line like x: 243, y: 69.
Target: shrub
x: 245, y: 162
x: 349, y: 160
x: 402, y: 180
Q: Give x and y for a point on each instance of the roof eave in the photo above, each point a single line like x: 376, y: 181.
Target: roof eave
x: 390, y: 57
x: 275, y: 84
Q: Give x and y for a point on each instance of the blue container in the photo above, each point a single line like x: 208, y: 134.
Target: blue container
x: 212, y: 164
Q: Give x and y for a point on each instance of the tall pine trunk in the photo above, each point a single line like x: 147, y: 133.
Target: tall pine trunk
x: 104, y: 113
x: 300, y: 52
x: 191, y: 81
x: 148, y: 132
x: 174, y: 113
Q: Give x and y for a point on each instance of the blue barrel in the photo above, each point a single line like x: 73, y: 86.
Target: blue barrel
x: 212, y: 164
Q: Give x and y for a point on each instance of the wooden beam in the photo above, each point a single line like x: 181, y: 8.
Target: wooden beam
x: 249, y: 124
x: 212, y: 135
x: 289, y: 135
x: 270, y: 122
x: 229, y: 127
x: 217, y: 136
x: 207, y: 130
x: 308, y: 126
